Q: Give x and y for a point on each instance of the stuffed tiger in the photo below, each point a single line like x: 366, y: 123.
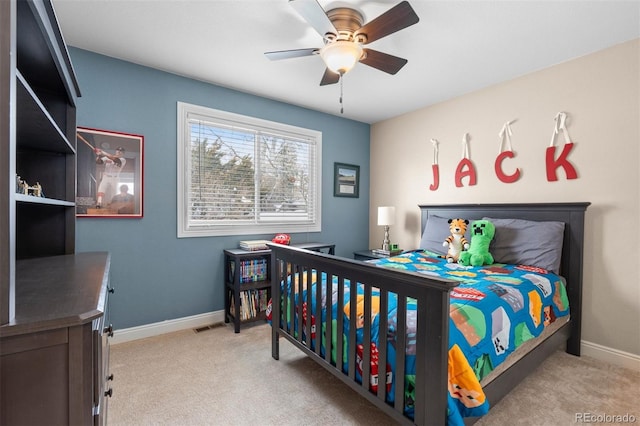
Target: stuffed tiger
x: 456, y: 241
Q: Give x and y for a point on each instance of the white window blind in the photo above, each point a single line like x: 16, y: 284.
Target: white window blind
x: 239, y: 175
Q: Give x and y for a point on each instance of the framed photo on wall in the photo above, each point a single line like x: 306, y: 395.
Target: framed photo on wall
x: 110, y: 171
x: 346, y: 180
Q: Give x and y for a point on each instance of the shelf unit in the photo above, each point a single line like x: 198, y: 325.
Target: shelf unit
x: 39, y: 95
x: 53, y: 302
x: 234, y: 287
x: 239, y: 292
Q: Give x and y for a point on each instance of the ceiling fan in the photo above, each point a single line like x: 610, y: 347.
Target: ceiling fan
x: 344, y: 35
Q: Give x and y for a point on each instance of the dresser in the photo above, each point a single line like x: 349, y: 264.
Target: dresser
x: 54, y: 355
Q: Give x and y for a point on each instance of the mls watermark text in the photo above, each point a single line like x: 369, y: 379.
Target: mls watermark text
x: 605, y: 418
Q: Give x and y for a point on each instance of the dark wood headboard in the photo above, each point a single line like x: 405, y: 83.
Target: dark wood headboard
x: 572, y: 214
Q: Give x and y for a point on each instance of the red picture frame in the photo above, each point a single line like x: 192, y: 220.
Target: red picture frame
x: 110, y: 174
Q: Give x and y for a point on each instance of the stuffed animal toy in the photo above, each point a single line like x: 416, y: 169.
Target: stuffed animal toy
x: 456, y: 241
x: 482, y: 232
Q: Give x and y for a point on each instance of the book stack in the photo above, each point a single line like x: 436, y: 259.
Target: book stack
x: 253, y: 270
x: 386, y: 252
x: 253, y: 304
x: 253, y: 245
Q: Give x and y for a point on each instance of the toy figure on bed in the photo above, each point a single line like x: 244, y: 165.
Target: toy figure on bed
x: 482, y: 232
x: 456, y: 241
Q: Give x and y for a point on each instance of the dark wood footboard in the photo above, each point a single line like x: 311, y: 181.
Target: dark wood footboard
x: 432, y: 326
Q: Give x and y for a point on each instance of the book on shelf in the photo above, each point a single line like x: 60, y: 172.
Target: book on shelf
x: 252, y: 303
x: 251, y: 270
x: 253, y: 245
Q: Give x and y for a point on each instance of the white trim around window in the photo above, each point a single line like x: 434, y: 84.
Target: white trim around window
x: 240, y: 175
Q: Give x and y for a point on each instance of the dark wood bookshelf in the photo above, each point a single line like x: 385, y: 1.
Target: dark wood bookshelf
x: 234, y: 288
x: 54, y: 323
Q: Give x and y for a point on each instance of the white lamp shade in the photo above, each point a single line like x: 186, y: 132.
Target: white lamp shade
x: 386, y: 215
x: 341, y: 56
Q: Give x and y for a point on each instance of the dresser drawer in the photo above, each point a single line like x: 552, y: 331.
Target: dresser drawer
x: 102, y: 390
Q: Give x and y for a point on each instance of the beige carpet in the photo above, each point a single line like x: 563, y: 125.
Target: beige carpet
x: 217, y: 377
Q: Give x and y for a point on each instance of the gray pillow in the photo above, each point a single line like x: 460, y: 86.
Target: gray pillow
x: 527, y: 242
x: 435, y: 232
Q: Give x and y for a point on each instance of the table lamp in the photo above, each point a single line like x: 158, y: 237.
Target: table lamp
x: 386, y: 217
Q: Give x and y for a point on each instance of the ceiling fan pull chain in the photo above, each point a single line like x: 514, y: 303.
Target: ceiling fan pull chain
x: 341, y: 103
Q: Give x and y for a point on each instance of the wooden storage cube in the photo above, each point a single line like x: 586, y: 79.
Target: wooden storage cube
x: 49, y: 170
x: 41, y: 230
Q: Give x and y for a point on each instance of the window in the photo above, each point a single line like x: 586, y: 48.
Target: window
x: 240, y: 175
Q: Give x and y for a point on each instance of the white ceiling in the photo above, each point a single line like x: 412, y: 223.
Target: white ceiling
x: 456, y: 48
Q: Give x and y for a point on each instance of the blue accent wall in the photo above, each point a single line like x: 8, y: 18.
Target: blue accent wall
x: 157, y: 276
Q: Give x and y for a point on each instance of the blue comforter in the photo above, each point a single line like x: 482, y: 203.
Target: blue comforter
x: 493, y: 311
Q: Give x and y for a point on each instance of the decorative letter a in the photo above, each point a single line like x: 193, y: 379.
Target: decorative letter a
x: 470, y: 171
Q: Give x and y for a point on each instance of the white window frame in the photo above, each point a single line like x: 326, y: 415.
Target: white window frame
x: 185, y: 229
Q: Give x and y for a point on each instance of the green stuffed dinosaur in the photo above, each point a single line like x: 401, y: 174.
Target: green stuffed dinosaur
x: 482, y: 232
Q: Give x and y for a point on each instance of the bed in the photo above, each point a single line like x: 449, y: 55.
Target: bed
x: 422, y: 328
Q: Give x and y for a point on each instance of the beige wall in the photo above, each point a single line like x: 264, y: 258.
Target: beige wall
x: 600, y: 92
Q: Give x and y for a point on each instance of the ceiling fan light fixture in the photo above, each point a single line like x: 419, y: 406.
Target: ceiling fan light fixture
x: 341, y: 56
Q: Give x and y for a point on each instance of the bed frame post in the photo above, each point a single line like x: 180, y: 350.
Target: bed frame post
x: 573, y: 259
x: 432, y: 358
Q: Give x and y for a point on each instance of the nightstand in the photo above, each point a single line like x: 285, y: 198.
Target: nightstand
x: 320, y: 247
x: 367, y: 255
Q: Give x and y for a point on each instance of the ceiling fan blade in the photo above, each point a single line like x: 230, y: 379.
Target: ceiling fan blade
x: 315, y: 15
x: 329, y: 77
x: 288, y: 54
x: 383, y: 61
x: 395, y: 19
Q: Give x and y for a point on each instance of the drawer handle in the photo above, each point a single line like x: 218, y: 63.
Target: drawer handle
x: 111, y: 290
x: 109, y: 393
x: 109, y: 330
x: 110, y: 377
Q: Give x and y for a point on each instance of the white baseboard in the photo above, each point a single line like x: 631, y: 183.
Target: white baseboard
x: 610, y: 355
x: 168, y: 326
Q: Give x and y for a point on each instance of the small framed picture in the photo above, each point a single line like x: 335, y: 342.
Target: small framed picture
x: 110, y: 171
x: 346, y: 180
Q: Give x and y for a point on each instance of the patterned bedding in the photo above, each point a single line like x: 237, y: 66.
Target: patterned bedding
x: 493, y: 311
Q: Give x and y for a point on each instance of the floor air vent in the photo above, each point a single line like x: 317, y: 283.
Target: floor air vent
x: 207, y: 327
